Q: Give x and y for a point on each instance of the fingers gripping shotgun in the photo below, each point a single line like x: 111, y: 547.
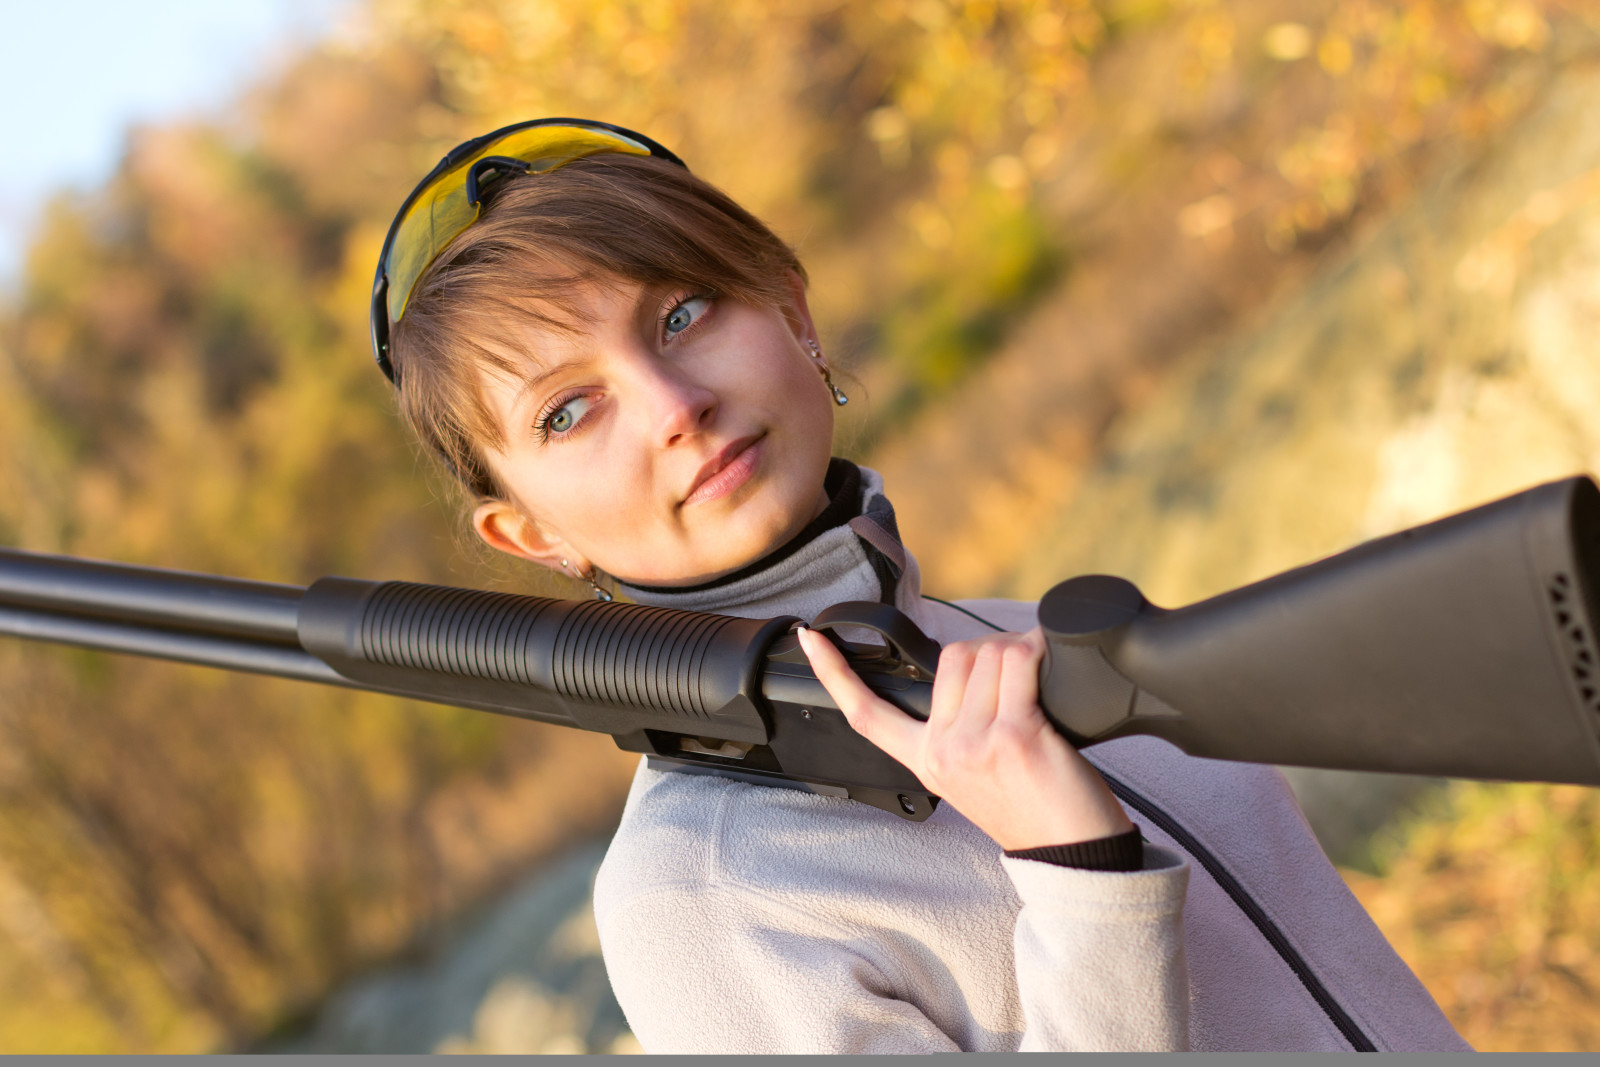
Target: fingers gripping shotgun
x: 1463, y: 648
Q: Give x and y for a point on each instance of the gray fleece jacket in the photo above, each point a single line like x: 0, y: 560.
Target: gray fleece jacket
x: 749, y: 919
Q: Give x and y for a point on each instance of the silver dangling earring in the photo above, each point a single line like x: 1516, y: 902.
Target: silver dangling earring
x: 827, y: 377
x: 600, y: 593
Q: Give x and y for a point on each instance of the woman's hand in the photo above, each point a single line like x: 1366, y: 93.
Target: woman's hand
x: 986, y: 747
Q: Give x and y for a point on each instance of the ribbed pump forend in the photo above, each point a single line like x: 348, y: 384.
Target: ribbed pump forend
x: 602, y: 653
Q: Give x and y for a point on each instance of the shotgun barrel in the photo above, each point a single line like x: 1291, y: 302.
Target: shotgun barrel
x: 694, y: 690
x: 1463, y: 648
x: 193, y: 618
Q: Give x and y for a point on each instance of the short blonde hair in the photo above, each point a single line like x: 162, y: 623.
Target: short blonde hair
x: 602, y: 217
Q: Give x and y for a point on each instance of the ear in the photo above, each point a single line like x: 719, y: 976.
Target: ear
x: 503, y: 527
x: 797, y: 313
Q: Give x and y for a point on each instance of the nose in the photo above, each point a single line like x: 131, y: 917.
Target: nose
x: 679, y: 407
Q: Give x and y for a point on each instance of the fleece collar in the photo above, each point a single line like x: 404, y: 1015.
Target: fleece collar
x: 852, y: 551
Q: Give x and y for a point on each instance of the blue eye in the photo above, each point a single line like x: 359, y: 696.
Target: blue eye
x: 685, y: 315
x: 562, y: 419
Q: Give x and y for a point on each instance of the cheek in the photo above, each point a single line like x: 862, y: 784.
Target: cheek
x: 809, y: 405
x: 598, y: 498
x: 586, y: 493
x: 803, y: 413
x: 790, y: 386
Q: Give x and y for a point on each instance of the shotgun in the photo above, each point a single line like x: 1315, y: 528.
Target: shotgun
x: 1462, y: 648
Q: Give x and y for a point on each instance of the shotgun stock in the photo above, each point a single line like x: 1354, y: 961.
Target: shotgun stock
x: 1462, y: 648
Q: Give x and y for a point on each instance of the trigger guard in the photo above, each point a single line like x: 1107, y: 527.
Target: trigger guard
x: 907, y: 644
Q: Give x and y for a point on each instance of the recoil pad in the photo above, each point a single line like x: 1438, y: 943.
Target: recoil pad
x: 608, y: 667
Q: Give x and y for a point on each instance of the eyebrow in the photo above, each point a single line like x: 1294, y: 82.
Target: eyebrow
x: 646, y: 306
x: 537, y: 380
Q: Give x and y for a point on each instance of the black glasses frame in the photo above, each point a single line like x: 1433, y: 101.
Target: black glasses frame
x: 380, y: 283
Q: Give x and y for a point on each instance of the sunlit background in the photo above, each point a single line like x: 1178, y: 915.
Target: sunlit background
x: 77, y: 76
x: 1190, y: 291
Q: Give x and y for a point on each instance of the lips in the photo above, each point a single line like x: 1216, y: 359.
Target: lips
x: 726, y: 471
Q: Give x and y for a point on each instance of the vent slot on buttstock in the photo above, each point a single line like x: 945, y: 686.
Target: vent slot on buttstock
x: 1581, y: 658
x: 1572, y: 602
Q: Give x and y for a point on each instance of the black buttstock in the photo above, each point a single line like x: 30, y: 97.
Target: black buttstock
x: 1462, y: 648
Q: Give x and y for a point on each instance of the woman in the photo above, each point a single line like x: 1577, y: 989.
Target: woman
x: 618, y: 362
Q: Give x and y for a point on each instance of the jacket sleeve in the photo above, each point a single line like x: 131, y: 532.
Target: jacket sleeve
x: 1099, y: 966
x: 1099, y: 956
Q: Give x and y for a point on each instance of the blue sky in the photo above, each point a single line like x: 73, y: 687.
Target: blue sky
x: 75, y: 75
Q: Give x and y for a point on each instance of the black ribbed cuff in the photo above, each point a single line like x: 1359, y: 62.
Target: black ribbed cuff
x: 1119, y: 852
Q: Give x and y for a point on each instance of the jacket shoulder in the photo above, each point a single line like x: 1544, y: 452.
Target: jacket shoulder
x: 963, y: 620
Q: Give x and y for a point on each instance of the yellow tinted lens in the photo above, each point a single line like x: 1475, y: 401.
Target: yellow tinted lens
x: 433, y: 221
x: 441, y: 211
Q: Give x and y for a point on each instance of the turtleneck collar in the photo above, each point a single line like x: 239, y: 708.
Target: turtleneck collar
x: 851, y: 551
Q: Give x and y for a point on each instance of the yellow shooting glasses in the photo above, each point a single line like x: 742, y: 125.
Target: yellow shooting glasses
x: 451, y: 198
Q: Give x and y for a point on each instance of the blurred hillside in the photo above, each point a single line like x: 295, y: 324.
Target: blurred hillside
x: 1448, y: 359
x: 1191, y: 207
x: 1442, y: 361
x: 1070, y: 215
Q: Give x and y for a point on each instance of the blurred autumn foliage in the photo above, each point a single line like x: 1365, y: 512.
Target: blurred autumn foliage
x: 189, y: 859
x: 1490, y: 892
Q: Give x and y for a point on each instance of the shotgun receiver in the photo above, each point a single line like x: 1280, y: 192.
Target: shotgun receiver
x: 1463, y: 648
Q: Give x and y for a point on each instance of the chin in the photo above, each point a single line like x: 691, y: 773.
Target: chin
x: 751, y: 529
x: 760, y: 534
x: 735, y: 548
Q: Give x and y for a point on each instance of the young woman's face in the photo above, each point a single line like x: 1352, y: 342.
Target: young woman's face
x: 668, y: 439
